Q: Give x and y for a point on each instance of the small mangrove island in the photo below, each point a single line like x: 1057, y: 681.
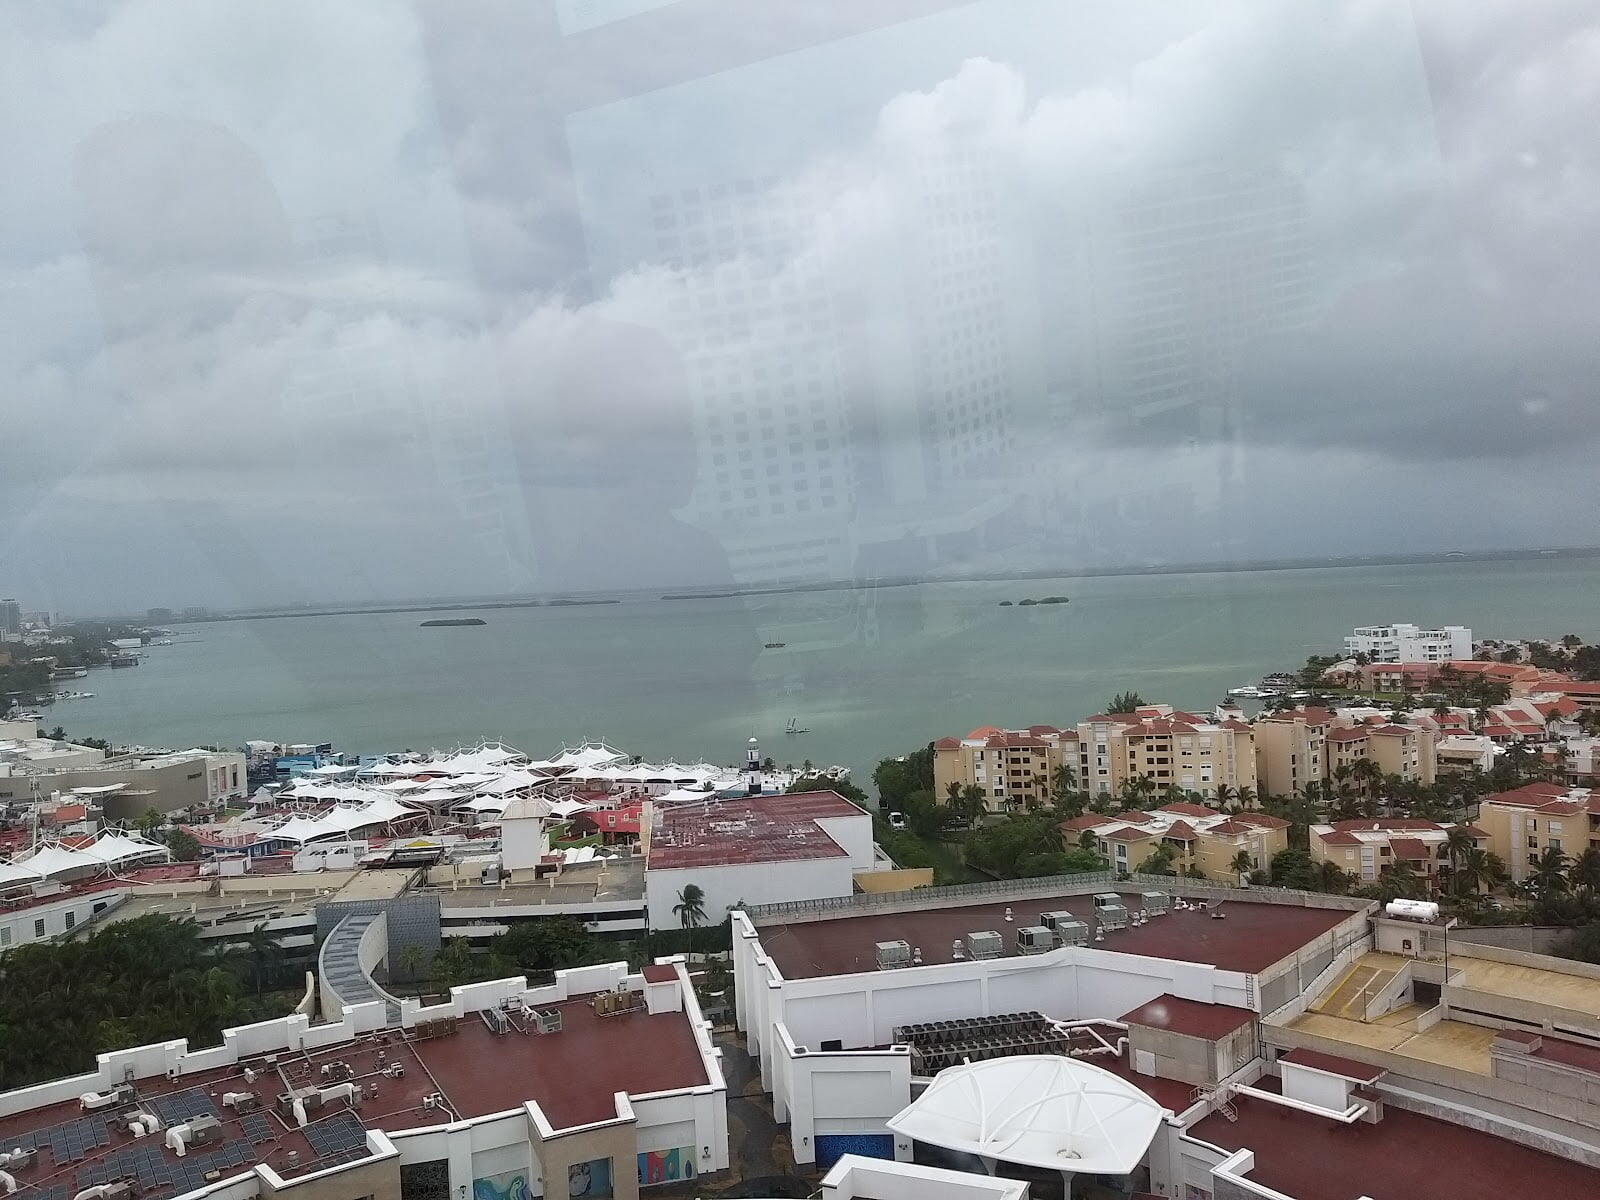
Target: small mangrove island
x: 1030, y: 601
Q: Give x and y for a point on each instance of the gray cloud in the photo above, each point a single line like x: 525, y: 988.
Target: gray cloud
x: 403, y: 278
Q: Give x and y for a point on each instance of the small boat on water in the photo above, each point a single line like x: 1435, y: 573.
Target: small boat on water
x: 774, y: 645
x: 794, y: 726
x: 452, y: 622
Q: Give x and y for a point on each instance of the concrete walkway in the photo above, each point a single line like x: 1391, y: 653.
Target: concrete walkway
x: 760, y: 1163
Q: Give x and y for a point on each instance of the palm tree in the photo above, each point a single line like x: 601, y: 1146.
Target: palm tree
x: 1331, y: 877
x: 266, y: 955
x: 1242, y: 863
x: 410, y: 960
x: 690, y: 909
x: 1457, y: 844
x: 1584, y: 872
x: 1245, y: 796
x: 1225, y: 795
x: 1549, y: 873
x: 1399, y: 880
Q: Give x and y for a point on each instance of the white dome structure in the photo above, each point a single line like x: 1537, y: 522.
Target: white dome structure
x: 1039, y: 1110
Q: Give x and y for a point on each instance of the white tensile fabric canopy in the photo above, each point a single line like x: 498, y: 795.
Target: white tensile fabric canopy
x: 58, y: 860
x: 115, y: 847
x: 12, y: 874
x: 1040, y: 1110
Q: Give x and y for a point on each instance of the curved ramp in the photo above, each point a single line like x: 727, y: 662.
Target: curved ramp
x: 340, y: 970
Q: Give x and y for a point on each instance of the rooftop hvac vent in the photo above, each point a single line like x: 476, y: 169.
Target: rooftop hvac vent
x: 985, y: 943
x: 1156, y: 903
x: 1052, y: 920
x: 893, y: 954
x: 547, y: 1020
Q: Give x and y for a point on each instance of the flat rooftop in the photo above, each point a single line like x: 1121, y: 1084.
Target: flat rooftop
x: 746, y: 829
x: 1246, y: 937
x: 1403, y: 1157
x: 612, y: 879
x: 1447, y: 1044
x: 574, y: 1075
x: 1577, y: 992
x: 1211, y: 1022
x: 79, y: 1149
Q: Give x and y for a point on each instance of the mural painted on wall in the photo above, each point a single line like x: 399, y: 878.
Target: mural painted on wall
x: 666, y: 1166
x: 589, y: 1180
x: 509, y: 1185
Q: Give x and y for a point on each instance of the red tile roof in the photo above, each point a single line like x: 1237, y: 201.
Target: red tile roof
x: 947, y: 743
x: 1184, y: 809
x: 1128, y: 834
x: 66, y: 813
x: 1181, y: 830
x: 1262, y: 820
x: 1529, y: 795
x: 1087, y: 821
x: 1337, y: 838
x: 1190, y: 1017
x: 1409, y: 848
x: 1348, y: 735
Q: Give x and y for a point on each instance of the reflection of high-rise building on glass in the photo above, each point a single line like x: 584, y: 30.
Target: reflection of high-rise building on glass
x: 754, y: 317
x: 10, y: 619
x: 956, y: 295
x: 1193, y: 269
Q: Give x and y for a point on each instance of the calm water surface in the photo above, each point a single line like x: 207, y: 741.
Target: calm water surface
x: 868, y: 672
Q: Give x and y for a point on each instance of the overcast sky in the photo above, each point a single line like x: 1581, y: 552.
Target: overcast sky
x: 375, y: 300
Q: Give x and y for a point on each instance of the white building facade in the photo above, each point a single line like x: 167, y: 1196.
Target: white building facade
x: 1404, y: 643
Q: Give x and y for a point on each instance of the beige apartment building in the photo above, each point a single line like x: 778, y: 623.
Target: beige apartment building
x: 1525, y: 822
x: 1200, y: 839
x: 1364, y: 847
x: 1403, y: 750
x: 1169, y: 747
x: 1292, y: 749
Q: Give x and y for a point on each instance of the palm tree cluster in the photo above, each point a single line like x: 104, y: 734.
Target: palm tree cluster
x: 129, y: 984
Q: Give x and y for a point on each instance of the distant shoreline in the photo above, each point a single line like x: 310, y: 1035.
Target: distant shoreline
x: 654, y: 596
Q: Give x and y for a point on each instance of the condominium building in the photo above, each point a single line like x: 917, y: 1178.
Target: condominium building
x: 1292, y: 749
x: 1405, y: 751
x: 1199, y: 839
x: 1400, y: 642
x: 1525, y: 822
x: 1014, y: 767
x: 1364, y: 847
x: 1169, y: 747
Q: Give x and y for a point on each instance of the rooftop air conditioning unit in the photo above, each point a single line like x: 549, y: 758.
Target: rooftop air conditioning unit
x: 985, y: 943
x: 1035, y: 939
x: 1156, y: 903
x: 1110, y: 916
x: 1107, y: 900
x: 892, y: 955
x: 547, y: 1020
x: 1071, y: 933
x: 203, y: 1130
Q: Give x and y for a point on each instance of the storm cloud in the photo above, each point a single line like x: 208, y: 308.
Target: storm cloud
x: 464, y: 298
